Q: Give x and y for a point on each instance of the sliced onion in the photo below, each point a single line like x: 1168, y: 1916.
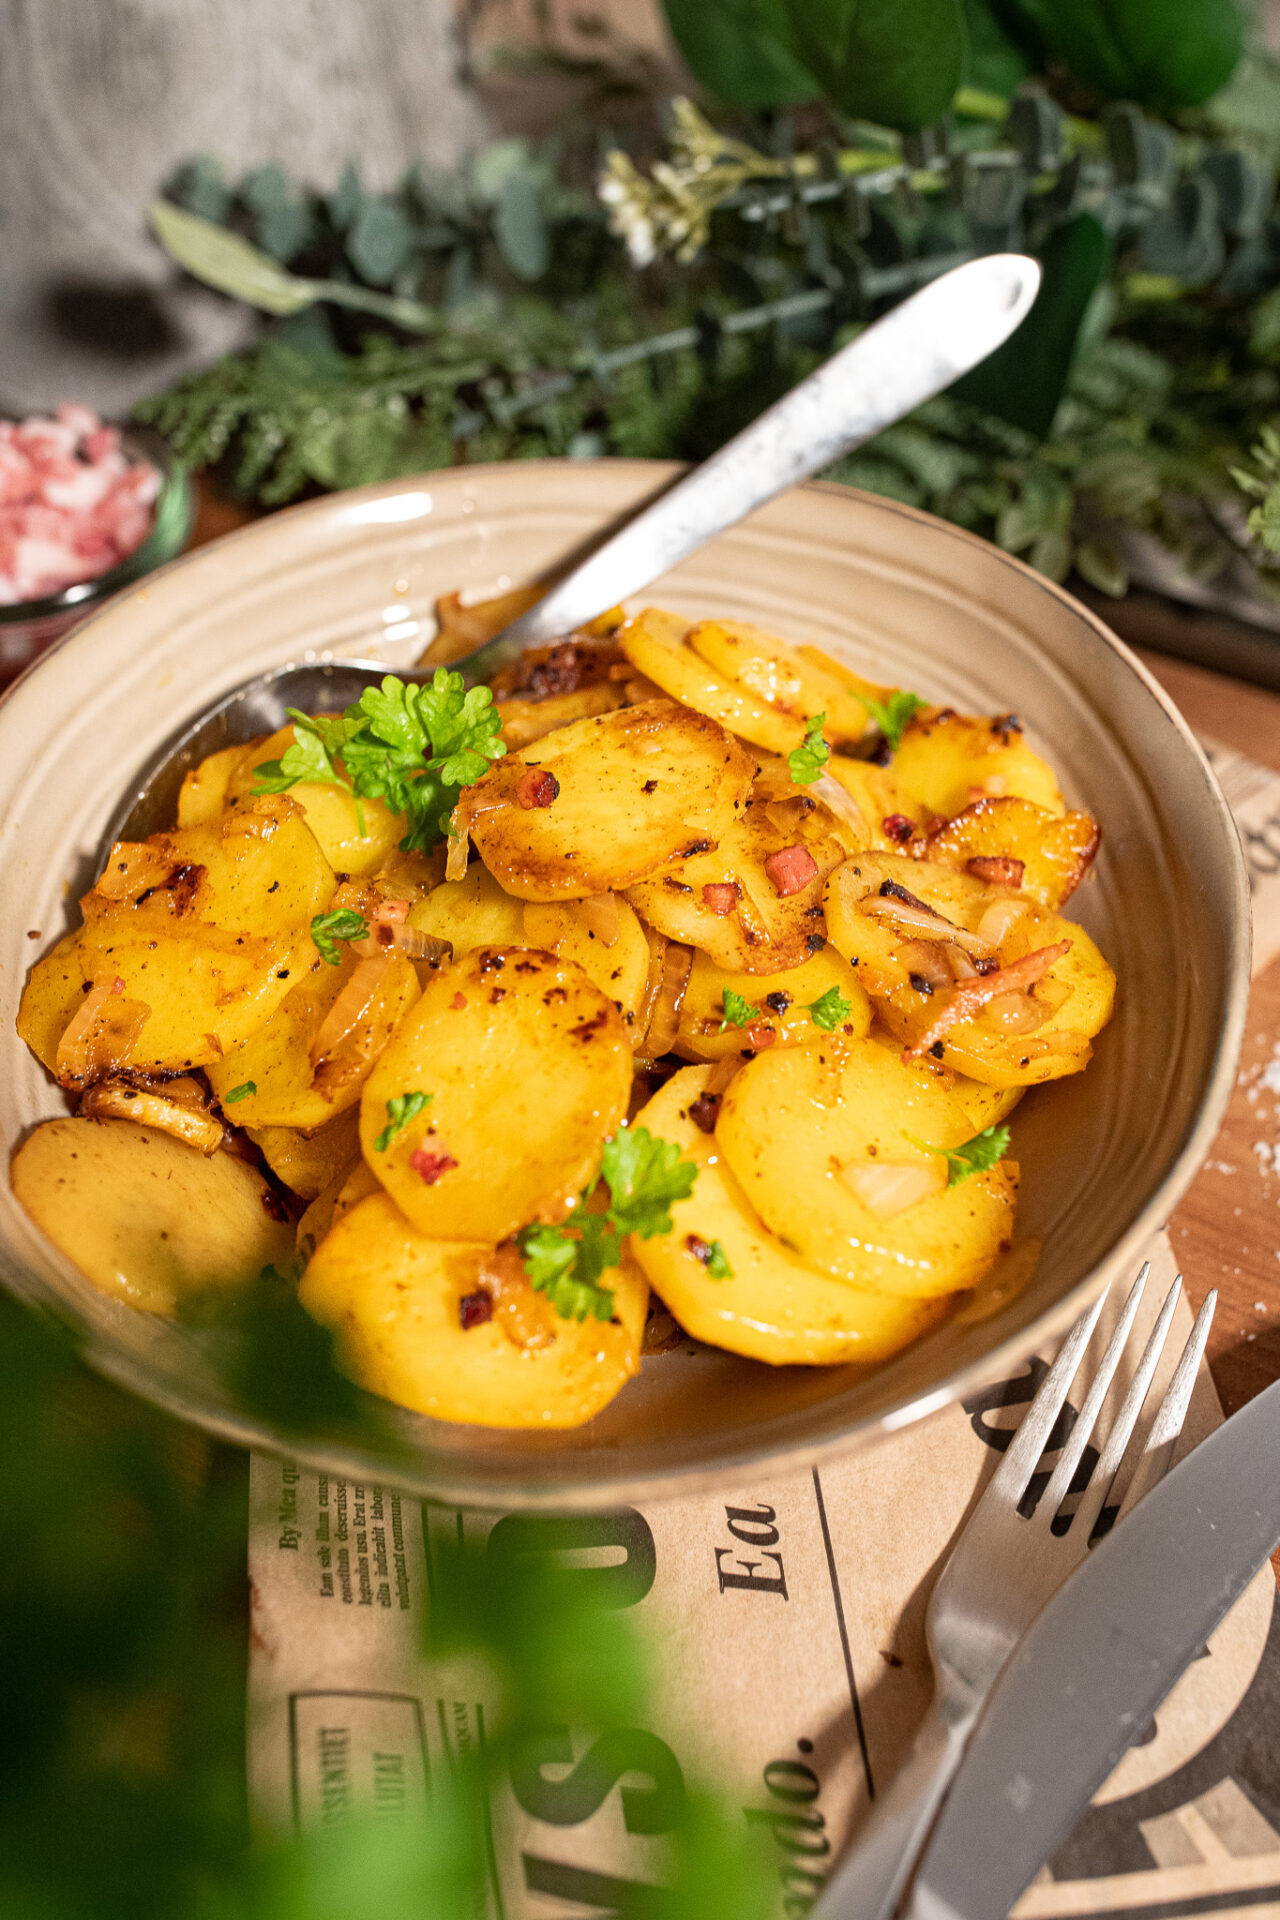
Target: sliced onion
x: 962, y: 967
x: 998, y: 918
x: 964, y: 1001
x: 99, y: 1035
x: 603, y: 916
x: 649, y: 992
x: 455, y: 866
x: 677, y: 964
x: 410, y: 941
x: 930, y: 961
x: 924, y: 923
x: 828, y: 789
x: 354, y: 1030
x: 1016, y: 1013
x: 525, y: 1316
x: 886, y: 1187
x: 149, y: 1107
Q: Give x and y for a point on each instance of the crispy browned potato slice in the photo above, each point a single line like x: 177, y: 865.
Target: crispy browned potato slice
x: 333, y: 814
x: 146, y: 1219
x: 394, y: 1299
x: 890, y: 816
x: 655, y: 644
x: 781, y: 1004
x: 1028, y: 1025
x: 797, y: 1119
x: 1053, y: 850
x: 764, y: 930
x: 528, y: 1068
x: 307, y: 1163
x: 469, y: 913
x: 605, y: 802
x: 524, y: 721
x: 203, y: 794
x: 773, y: 1306
x: 780, y: 676
x: 947, y: 760
x: 205, y: 929
x: 604, y: 937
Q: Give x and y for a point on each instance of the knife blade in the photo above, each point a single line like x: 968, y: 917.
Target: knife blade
x: 1097, y: 1663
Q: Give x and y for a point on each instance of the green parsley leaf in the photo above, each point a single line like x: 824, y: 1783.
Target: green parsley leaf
x: 806, y: 762
x: 894, y: 715
x: 241, y: 1092
x: 717, y: 1264
x: 566, y: 1265
x: 829, y: 1010
x: 979, y: 1155
x: 401, y: 1109
x: 646, y: 1176
x: 328, y: 928
x: 316, y: 741
x: 737, y: 1011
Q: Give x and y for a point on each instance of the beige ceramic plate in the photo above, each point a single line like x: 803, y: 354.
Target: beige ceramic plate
x: 906, y: 599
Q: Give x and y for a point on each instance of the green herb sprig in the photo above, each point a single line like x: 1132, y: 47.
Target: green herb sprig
x: 242, y: 1092
x: 979, y: 1155
x: 327, y: 929
x: 807, y: 762
x: 401, y: 1109
x: 829, y: 1010
x: 894, y: 715
x: 645, y: 1176
x: 737, y: 1011
x: 416, y: 747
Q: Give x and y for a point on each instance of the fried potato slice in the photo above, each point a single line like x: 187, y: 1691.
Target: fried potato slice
x: 529, y: 1071
x: 888, y: 811
x: 146, y: 1219
x: 203, y: 794
x: 775, y: 1307
x: 394, y: 1298
x: 984, y: 1106
x: 947, y: 760
x: 205, y: 929
x: 604, y: 937
x: 333, y: 813
x: 307, y: 1163
x: 655, y: 644
x: 279, y: 1062
x: 779, y: 675
x: 469, y: 913
x: 605, y: 802
x: 795, y: 1118
x: 781, y: 1002
x: 1053, y: 850
x: 1026, y: 1030
x: 524, y: 721
x: 765, y: 931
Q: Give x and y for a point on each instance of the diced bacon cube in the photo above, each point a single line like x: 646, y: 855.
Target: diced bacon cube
x: 791, y: 869
x: 721, y: 896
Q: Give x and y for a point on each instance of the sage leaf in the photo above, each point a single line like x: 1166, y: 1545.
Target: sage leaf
x: 226, y: 261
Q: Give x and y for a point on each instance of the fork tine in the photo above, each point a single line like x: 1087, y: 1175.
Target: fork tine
x: 1095, y: 1494
x: 1009, y: 1481
x: 1069, y: 1458
x: 1157, y: 1455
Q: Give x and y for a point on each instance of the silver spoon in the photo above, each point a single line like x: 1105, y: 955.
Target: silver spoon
x: 901, y: 361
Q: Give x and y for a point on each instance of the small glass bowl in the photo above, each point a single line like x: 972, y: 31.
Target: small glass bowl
x: 27, y: 627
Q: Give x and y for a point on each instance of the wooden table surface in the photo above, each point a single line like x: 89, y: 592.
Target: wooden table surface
x: 1226, y: 1233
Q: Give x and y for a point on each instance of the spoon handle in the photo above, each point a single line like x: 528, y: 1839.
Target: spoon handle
x: 890, y: 369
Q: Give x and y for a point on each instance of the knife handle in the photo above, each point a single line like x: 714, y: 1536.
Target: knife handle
x: 868, y: 1883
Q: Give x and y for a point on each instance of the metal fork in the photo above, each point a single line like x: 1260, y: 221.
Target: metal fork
x: 1004, y: 1567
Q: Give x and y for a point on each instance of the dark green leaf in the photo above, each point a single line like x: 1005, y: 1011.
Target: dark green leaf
x: 327, y: 929
x: 717, y: 1263
x: 202, y: 188
x: 347, y: 198
x: 997, y: 64
x: 285, y: 231
x: 379, y: 242
x: 1163, y: 53
x: 1023, y: 380
x: 898, y: 65
x: 645, y: 1176
x: 740, y: 51
x: 520, y: 229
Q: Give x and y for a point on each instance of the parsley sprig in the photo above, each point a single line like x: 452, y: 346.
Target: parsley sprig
x: 894, y: 715
x: 829, y: 1010
x: 645, y: 1177
x: 344, y: 923
x: 737, y: 1011
x: 416, y: 747
x: 401, y: 1109
x: 979, y: 1155
x: 806, y: 762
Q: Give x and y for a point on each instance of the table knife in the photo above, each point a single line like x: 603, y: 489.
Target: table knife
x: 1097, y: 1663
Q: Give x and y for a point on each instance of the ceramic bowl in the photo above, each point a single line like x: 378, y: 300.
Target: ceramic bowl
x: 903, y: 597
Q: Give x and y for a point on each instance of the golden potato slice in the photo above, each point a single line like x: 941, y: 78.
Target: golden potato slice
x: 887, y: 810
x: 146, y: 1219
x: 333, y: 814
x: 307, y: 1163
x: 1012, y: 842
x: 780, y: 676
x: 775, y: 1307
x: 469, y: 913
x: 524, y: 721
x: 781, y: 1001
x: 765, y: 930
x: 203, y: 793
x: 654, y: 642
x: 947, y: 760
x: 394, y: 1299
x: 794, y: 1119
x: 605, y: 802
x: 205, y: 929
x: 604, y: 937
x: 276, y: 1063
x: 1005, y: 1028
x: 528, y: 1069
x: 984, y: 1106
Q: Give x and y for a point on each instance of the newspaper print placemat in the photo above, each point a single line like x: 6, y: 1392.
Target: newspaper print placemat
x: 790, y: 1613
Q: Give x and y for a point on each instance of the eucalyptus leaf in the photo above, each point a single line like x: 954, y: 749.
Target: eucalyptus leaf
x: 202, y: 188
x: 497, y: 163
x: 740, y: 51
x: 285, y: 230
x: 267, y: 188
x: 379, y: 242
x: 1186, y: 239
x: 226, y: 261
x: 520, y: 229
x: 347, y: 198
x: 898, y: 65
x: 1102, y: 567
